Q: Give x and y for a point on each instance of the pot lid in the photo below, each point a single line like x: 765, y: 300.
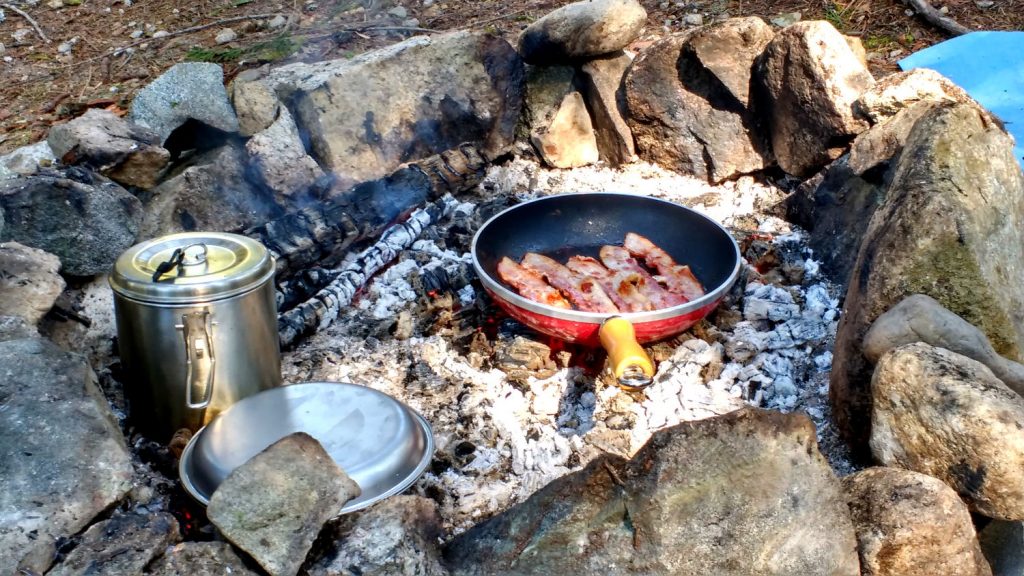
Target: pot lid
x: 191, y: 267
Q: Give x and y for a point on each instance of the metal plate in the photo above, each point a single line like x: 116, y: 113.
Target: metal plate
x: 378, y: 441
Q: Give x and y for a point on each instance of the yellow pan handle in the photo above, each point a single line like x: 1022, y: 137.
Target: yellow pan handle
x: 630, y: 364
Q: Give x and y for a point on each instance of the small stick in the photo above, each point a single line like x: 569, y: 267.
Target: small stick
x: 30, y: 21
x: 496, y: 18
x: 933, y: 16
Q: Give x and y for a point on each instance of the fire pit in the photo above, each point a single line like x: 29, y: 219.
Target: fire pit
x: 513, y: 409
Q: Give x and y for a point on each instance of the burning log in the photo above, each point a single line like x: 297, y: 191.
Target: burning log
x: 323, y: 308
x: 319, y: 234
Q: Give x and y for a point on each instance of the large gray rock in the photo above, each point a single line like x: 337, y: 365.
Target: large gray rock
x: 199, y: 559
x: 211, y: 191
x: 836, y: 204
x: 809, y: 78
x: 438, y: 92
x: 1003, y: 545
x: 102, y: 141
x: 84, y: 219
x: 950, y: 228
x: 581, y: 30
x: 744, y: 493
x: 920, y: 318
x: 125, y: 544
x: 602, y: 80
x: 396, y: 537
x: 29, y: 281
x: 945, y: 415
x: 26, y: 160
x: 687, y: 105
x: 910, y: 524
x: 568, y: 141
x: 281, y: 159
x: 187, y: 91
x: 274, y: 505
x: 63, y: 460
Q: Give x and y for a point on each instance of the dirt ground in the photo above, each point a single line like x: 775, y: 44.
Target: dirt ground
x: 99, y: 52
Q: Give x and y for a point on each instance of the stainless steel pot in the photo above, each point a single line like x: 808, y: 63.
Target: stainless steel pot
x: 197, y: 328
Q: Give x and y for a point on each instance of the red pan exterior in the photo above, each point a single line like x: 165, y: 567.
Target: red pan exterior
x: 586, y: 333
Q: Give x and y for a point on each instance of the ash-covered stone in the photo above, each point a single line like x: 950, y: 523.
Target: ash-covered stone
x: 187, y: 91
x: 124, y: 544
x: 274, y: 505
x: 199, y: 559
x: 62, y: 458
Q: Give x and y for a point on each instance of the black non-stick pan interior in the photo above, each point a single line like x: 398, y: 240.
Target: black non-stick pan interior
x: 563, y: 226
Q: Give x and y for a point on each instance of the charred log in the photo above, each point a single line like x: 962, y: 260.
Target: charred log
x: 320, y: 234
x: 324, y: 306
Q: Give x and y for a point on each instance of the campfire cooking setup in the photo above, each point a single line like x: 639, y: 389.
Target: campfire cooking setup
x: 712, y: 302
x: 580, y: 225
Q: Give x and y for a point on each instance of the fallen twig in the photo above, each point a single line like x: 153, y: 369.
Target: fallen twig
x: 34, y: 24
x: 934, y: 17
x: 495, y: 19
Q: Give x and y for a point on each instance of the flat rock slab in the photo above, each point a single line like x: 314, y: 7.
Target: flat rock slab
x: 187, y: 91
x: 910, y: 524
x: 62, y: 458
x: 945, y: 415
x: 368, y: 115
x: 744, y: 493
x: 581, y: 30
x: 199, y: 559
x: 274, y: 505
x: 29, y: 281
x: 81, y: 217
x: 102, y: 141
x: 392, y: 538
x: 125, y: 544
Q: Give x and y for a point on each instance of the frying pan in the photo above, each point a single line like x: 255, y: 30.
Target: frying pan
x: 579, y: 224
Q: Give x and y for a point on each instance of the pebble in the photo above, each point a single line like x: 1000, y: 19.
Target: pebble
x: 398, y: 12
x: 2, y: 49
x: 783, y: 20
x: 411, y: 23
x: 8, y: 59
x: 226, y: 35
x: 21, y: 35
x: 278, y: 22
x: 984, y: 4
x: 136, y: 34
x: 55, y: 4
x: 65, y: 47
x: 428, y: 3
x: 693, y: 20
x: 161, y: 34
x: 2, y: 16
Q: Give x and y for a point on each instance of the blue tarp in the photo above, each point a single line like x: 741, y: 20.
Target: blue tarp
x: 990, y: 67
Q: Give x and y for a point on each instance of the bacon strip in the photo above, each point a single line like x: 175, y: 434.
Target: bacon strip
x: 618, y: 259
x: 582, y: 290
x: 530, y: 285
x: 620, y: 287
x: 678, y: 279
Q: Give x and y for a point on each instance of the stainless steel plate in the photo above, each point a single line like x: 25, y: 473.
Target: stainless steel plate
x: 379, y: 442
